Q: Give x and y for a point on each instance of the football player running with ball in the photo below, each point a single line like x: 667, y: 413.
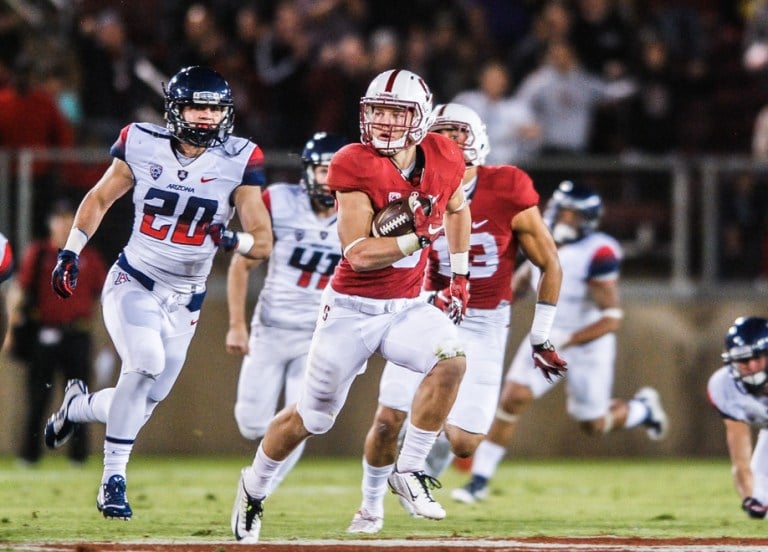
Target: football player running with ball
x: 739, y: 392
x: 372, y: 302
x: 584, y: 330
x: 505, y: 215
x: 304, y: 256
x: 186, y: 180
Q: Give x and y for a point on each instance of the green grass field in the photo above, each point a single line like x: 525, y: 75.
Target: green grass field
x: 190, y: 499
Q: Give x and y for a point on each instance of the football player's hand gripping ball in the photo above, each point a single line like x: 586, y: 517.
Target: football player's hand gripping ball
x: 545, y: 358
x: 426, y: 224
x: 64, y: 276
x: 222, y: 238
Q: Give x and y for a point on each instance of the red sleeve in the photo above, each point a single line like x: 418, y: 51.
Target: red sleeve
x: 6, y: 262
x: 267, y: 199
x: 26, y: 277
x: 350, y: 168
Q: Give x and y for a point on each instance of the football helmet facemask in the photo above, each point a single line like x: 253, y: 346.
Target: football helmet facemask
x: 196, y: 85
x: 396, y: 88
x: 587, y: 203
x: 746, y: 339
x: 454, y: 116
x: 318, y: 151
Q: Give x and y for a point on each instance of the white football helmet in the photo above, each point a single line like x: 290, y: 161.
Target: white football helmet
x: 461, y: 117
x: 397, y: 88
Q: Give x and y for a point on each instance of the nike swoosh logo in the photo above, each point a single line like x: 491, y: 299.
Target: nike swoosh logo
x: 476, y: 225
x: 204, y: 179
x: 434, y: 231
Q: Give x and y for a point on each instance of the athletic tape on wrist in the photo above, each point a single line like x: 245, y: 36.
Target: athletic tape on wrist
x: 76, y: 241
x: 408, y: 244
x: 460, y: 263
x: 543, y: 317
x: 613, y: 313
x: 244, y: 242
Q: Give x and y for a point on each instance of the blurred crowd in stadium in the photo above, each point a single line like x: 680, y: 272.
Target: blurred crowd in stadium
x: 301, y: 65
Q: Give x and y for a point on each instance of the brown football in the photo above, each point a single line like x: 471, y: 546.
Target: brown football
x: 396, y: 218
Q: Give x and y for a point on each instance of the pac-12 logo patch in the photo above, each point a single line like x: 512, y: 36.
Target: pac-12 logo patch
x: 155, y: 170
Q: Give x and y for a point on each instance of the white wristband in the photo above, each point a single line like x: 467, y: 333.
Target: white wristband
x: 543, y: 317
x: 614, y: 312
x: 76, y: 241
x: 245, y: 242
x: 460, y: 262
x: 408, y: 244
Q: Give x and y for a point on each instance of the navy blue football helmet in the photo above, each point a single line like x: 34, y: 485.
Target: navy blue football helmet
x: 318, y: 151
x: 581, y: 199
x: 199, y: 86
x: 746, y: 339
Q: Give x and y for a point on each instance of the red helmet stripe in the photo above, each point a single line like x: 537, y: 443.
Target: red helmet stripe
x: 391, y: 80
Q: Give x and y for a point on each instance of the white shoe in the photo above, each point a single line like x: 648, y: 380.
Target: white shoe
x: 472, y: 492
x: 413, y: 488
x: 363, y: 522
x: 246, y: 514
x: 657, y: 423
x: 58, y: 428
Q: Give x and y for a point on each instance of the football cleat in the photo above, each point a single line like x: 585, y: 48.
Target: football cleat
x: 474, y: 491
x: 413, y: 488
x: 363, y: 522
x: 58, y: 429
x: 657, y: 422
x: 246, y: 514
x: 111, y: 500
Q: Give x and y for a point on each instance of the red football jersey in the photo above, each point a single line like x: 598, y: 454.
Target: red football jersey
x: 500, y: 194
x: 357, y: 167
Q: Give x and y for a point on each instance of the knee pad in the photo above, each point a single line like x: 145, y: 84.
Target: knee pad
x: 245, y: 423
x: 314, y: 420
x: 449, y: 349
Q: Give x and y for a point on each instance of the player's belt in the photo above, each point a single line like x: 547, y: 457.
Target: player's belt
x: 195, y: 302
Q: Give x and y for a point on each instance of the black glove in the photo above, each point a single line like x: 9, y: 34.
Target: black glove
x: 754, y: 508
x: 545, y: 358
x: 64, y: 277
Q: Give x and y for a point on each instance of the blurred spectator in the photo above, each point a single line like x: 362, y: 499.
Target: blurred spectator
x: 743, y: 206
x: 384, y: 47
x: 513, y: 130
x: 452, y: 58
x: 553, y: 22
x: 111, y: 92
x: 652, y: 128
x: 563, y: 97
x: 335, y: 84
x: 283, y: 58
x: 62, y: 343
x: 760, y: 135
x: 30, y: 118
x: 602, y: 38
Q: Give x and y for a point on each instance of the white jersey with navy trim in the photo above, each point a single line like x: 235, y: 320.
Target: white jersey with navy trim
x: 733, y: 403
x: 304, y: 256
x: 174, y: 202
x: 597, y: 256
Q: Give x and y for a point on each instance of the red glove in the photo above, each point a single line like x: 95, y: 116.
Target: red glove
x: 545, y: 358
x: 427, y: 226
x: 459, y: 290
